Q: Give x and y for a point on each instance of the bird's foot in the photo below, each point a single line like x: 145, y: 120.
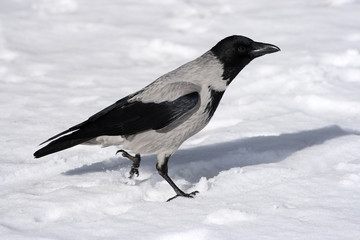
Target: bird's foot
x: 136, y: 162
x: 133, y: 171
x: 182, y: 194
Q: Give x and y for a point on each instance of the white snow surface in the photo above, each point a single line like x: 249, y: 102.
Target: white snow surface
x: 279, y: 160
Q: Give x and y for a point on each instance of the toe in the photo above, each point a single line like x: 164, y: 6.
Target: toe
x: 187, y: 195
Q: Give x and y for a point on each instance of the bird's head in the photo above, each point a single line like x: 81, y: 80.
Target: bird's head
x: 235, y: 52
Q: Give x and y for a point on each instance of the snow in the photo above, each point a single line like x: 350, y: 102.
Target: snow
x: 279, y: 160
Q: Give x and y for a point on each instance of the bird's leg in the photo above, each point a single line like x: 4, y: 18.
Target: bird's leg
x: 162, y: 167
x: 136, y: 162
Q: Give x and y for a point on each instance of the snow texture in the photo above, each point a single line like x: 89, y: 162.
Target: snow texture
x: 279, y: 160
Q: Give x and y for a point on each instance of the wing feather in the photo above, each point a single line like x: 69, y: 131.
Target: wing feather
x: 127, y: 118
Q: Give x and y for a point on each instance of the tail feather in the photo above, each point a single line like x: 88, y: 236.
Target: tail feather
x: 61, y: 143
x: 76, y: 127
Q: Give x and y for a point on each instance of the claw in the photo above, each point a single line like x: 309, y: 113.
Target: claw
x: 133, y: 171
x: 136, y: 162
x: 187, y: 195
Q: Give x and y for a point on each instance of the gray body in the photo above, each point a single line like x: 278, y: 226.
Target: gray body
x: 181, y: 81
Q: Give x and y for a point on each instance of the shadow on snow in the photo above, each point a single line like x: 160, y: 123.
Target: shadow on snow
x: 207, y: 161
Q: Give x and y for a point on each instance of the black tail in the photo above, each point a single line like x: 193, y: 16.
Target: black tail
x: 62, y: 143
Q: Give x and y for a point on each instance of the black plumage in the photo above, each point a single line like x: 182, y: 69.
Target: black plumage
x: 123, y: 118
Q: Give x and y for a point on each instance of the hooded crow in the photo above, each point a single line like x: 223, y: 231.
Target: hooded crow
x: 161, y: 116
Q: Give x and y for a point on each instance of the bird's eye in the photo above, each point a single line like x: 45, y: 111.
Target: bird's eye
x: 241, y: 49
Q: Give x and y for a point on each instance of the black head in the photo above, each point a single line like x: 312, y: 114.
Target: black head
x: 235, y: 52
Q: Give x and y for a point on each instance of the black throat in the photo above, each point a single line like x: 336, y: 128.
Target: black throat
x: 231, y: 70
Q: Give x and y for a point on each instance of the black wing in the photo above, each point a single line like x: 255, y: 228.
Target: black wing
x: 123, y: 118
x: 93, y: 118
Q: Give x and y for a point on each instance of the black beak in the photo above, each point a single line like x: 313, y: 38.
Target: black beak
x: 259, y: 49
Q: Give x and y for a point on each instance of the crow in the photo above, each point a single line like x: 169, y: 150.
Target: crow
x: 160, y: 117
